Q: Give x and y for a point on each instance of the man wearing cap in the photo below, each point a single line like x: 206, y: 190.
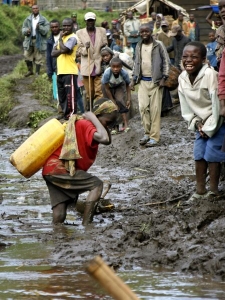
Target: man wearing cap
x: 114, y: 30
x: 131, y: 29
x: 75, y: 24
x: 165, y: 37
x: 35, y: 29
x: 90, y: 41
x: 178, y: 44
x: 183, y: 24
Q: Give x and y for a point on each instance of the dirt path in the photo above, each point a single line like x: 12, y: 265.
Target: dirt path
x: 151, y: 225
x: 8, y: 63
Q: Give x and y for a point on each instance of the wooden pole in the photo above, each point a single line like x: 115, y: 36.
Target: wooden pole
x: 147, y: 8
x: 89, y: 80
x: 98, y: 269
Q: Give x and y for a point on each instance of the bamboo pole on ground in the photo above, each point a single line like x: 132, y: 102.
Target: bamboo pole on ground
x: 98, y: 269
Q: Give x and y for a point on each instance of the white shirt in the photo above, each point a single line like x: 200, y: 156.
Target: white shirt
x: 146, y: 63
x: 35, y: 20
x: 56, y: 38
x: 199, y: 101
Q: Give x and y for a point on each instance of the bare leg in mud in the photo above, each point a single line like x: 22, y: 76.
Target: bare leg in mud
x: 59, y: 211
x: 91, y: 203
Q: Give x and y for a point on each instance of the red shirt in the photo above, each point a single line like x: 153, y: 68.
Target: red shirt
x: 221, y: 78
x: 87, y: 146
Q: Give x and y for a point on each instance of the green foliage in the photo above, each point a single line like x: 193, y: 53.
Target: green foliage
x: 43, y: 89
x: 10, y: 30
x: 6, y: 101
x: 20, y: 69
x: 11, y: 38
x: 12, y: 18
x: 38, y: 116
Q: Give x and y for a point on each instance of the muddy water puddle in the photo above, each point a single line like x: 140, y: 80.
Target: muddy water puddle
x: 28, y: 239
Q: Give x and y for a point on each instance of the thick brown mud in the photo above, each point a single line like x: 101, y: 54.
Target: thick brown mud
x: 151, y: 225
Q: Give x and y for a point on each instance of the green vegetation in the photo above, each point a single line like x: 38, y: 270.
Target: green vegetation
x: 7, y: 85
x: 12, y: 17
x: 38, y: 116
x: 11, y: 39
x: 43, y: 90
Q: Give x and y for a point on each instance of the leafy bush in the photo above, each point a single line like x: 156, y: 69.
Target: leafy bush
x: 38, y: 116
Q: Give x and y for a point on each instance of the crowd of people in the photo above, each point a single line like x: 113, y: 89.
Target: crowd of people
x: 93, y: 61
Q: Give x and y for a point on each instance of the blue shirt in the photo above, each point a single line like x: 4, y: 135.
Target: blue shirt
x: 108, y: 77
x: 211, y: 55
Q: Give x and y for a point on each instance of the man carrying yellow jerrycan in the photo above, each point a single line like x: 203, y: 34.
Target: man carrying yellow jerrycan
x: 65, y: 166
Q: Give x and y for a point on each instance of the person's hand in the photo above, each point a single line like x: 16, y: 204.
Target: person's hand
x: 162, y: 82
x: 87, y: 45
x: 128, y: 104
x: 132, y: 85
x: 199, y: 126
x: 28, y: 32
x: 62, y: 34
x: 88, y: 115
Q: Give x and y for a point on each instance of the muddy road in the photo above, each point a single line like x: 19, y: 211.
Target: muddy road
x: 151, y: 224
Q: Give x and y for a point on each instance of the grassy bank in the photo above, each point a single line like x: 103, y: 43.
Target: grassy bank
x: 7, y: 88
x: 12, y: 17
x: 11, y: 39
x: 40, y: 86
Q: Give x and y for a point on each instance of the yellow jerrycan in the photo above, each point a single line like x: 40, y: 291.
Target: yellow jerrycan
x: 33, y: 153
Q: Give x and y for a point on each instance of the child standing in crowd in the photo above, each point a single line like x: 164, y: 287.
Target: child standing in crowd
x: 156, y: 29
x: 115, y: 86
x: 198, y: 89
x: 129, y: 50
x: 211, y: 47
x: 107, y: 55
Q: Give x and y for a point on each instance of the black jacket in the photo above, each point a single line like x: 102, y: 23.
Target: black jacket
x: 51, y: 61
x: 178, y: 47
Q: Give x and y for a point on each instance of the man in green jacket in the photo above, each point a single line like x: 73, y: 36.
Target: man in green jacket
x: 35, y: 29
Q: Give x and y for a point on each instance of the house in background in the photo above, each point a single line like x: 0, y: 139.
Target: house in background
x: 171, y: 9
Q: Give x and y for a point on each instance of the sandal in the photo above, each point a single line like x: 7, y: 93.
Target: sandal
x: 113, y: 132
x: 144, y: 140
x: 211, y: 195
x: 195, y: 197
x: 127, y: 129
x: 151, y: 143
